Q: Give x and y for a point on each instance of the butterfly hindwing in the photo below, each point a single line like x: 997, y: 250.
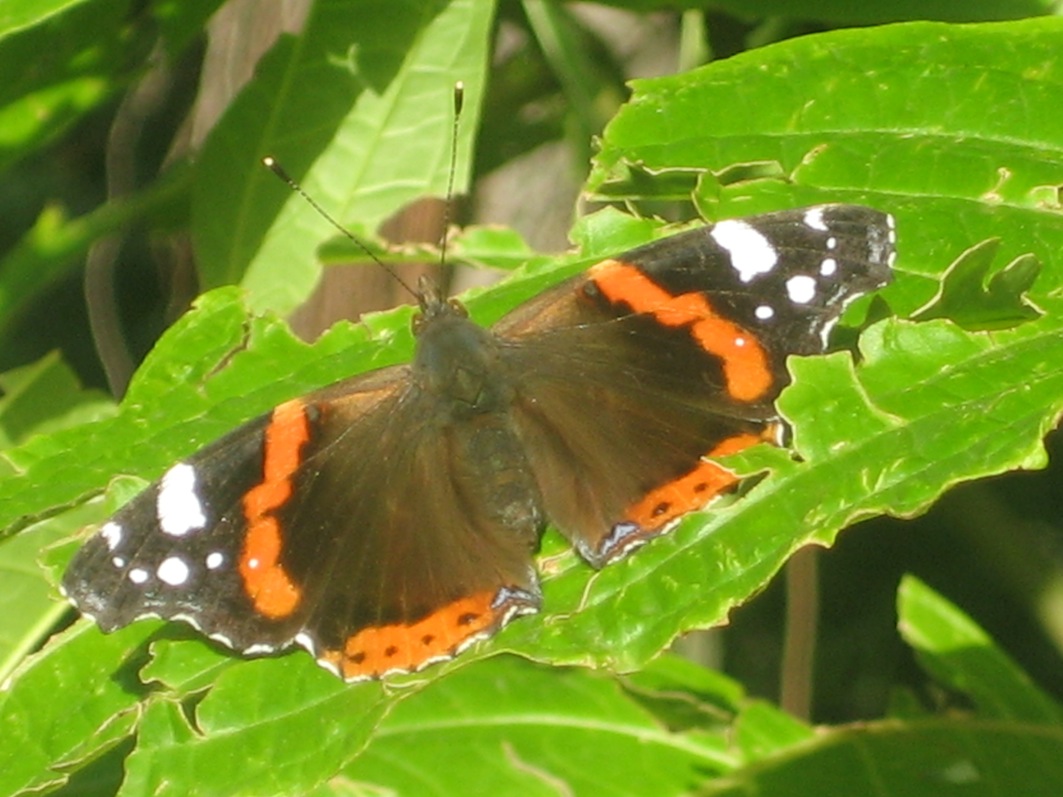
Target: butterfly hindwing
x: 405, y: 557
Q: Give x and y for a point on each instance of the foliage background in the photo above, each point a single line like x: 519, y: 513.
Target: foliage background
x: 132, y: 179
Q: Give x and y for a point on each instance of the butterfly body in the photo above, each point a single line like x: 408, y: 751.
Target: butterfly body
x: 390, y: 520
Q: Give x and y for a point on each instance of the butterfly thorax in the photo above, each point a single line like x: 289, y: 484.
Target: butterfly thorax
x: 457, y: 362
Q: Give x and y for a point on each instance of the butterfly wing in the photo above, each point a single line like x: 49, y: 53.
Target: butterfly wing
x: 341, y: 522
x: 631, y: 375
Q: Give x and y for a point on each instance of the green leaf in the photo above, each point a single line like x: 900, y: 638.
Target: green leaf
x: 532, y: 730
x: 99, y: 707
x: 894, y: 117
x: 359, y: 110
x: 844, y: 12
x: 683, y: 695
x: 966, y: 298
x: 960, y: 655
x: 763, y: 730
x: 47, y: 478
x: 44, y: 397
x: 55, y: 247
x: 57, y: 69
x: 247, y: 717
x: 490, y: 247
x: 951, y: 405
x: 928, y: 758
x: 38, y: 399
x: 28, y: 609
x: 564, y: 45
x: 15, y: 16
x: 1010, y: 747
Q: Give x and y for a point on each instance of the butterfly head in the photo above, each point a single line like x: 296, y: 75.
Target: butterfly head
x: 433, y: 304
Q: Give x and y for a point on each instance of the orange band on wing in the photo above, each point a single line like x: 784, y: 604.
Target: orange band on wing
x: 692, y: 490
x: 266, y: 582
x: 745, y: 362
x: 400, y: 647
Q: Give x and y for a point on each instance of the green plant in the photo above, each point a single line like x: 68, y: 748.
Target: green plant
x: 952, y: 128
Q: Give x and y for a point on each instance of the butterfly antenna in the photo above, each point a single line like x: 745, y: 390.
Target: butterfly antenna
x: 459, y: 101
x: 270, y: 163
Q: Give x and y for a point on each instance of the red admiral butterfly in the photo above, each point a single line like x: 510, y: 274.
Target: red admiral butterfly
x: 391, y: 520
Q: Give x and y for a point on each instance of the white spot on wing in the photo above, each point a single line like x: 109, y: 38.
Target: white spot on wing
x: 173, y: 571
x: 333, y: 668
x: 260, y: 647
x: 814, y: 219
x: 217, y: 636
x: 214, y: 560
x: 877, y: 253
x: 828, y: 267
x: 112, y: 535
x: 179, y: 508
x: 191, y: 619
x: 138, y: 575
x: 801, y: 289
x: 764, y: 312
x: 751, y: 253
x: 118, y: 561
x: 832, y: 243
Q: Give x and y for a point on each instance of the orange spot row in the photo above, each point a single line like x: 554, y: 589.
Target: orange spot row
x: 402, y: 647
x: 691, y: 491
x: 745, y: 362
x: 266, y: 582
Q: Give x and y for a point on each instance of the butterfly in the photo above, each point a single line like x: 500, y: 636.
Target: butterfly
x: 392, y: 519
